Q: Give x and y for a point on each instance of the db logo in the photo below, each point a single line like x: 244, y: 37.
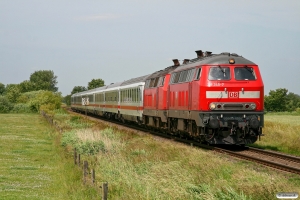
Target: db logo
x: 233, y: 94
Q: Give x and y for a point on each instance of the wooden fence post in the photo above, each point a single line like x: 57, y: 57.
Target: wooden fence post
x: 78, y: 160
x: 104, y: 191
x: 85, y: 169
x: 93, y: 176
x: 75, y: 156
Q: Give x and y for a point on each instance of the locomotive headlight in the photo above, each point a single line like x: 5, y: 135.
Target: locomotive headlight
x: 253, y: 106
x: 231, y: 61
x: 212, y: 106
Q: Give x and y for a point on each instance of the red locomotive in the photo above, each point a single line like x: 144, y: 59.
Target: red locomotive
x: 216, y: 98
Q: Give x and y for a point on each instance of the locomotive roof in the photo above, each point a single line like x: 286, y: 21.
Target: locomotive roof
x: 162, y: 72
x: 215, y: 59
x: 135, y: 80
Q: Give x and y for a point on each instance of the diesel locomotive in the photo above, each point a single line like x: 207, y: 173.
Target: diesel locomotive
x: 213, y: 98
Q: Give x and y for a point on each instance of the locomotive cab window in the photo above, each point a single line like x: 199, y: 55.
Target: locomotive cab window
x: 244, y: 73
x: 219, y: 73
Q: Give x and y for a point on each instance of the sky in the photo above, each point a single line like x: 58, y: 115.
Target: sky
x: 119, y: 40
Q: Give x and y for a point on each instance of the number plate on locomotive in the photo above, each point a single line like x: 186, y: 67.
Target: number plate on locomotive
x: 233, y: 94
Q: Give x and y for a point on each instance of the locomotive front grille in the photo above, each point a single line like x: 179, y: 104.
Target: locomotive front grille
x: 233, y: 106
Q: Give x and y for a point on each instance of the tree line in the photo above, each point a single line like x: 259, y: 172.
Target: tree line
x: 280, y: 100
x: 41, y: 91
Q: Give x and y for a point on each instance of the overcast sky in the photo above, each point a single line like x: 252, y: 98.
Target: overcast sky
x: 119, y: 40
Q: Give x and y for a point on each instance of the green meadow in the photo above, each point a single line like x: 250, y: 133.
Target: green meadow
x: 282, y: 133
x: 33, y: 164
x: 37, y: 163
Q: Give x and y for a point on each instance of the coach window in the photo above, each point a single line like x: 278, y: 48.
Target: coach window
x: 136, y: 95
x: 219, y: 73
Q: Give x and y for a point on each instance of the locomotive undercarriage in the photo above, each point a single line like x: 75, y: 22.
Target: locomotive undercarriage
x: 215, y: 128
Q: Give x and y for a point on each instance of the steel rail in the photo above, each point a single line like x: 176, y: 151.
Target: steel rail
x: 261, y: 161
x: 276, y: 154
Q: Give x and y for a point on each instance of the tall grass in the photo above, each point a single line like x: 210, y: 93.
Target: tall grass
x: 141, y: 167
x: 282, y: 133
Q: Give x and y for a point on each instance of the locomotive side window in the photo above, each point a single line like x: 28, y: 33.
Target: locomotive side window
x: 156, y: 82
x: 183, y: 76
x: 172, y: 78
x: 176, y: 77
x: 219, y: 73
x: 198, y: 73
x: 161, y: 81
x: 147, y: 83
x: 244, y: 73
x: 152, y: 82
x: 190, y: 75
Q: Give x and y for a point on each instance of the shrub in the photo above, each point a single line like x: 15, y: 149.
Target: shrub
x: 27, y: 96
x: 82, y: 147
x: 90, y: 147
x: 21, y: 108
x: 46, y: 100
x: 12, y: 93
x: 5, y: 105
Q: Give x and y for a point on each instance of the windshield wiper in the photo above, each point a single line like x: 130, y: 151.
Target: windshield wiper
x: 223, y: 70
x: 249, y: 69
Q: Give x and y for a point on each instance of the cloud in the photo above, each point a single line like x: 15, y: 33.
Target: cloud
x: 102, y: 17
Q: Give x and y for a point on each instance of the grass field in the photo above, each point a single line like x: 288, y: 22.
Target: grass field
x: 33, y: 164
x: 145, y: 167
x: 282, y: 133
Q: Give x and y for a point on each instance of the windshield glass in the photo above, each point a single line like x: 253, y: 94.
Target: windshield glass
x: 219, y: 73
x: 244, y: 73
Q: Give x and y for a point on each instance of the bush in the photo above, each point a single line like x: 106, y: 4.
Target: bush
x: 5, y: 105
x: 27, y: 96
x: 46, y: 100
x: 12, y: 93
x: 21, y: 108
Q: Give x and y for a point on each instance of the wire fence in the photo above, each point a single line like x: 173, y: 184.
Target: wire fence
x: 89, y: 175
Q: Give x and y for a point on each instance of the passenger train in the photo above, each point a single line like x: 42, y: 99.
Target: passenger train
x: 213, y: 98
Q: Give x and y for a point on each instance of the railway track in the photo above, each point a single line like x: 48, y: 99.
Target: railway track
x: 272, y: 159
x: 268, y: 158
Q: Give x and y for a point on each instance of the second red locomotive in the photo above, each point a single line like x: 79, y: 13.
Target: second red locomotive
x: 216, y: 98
